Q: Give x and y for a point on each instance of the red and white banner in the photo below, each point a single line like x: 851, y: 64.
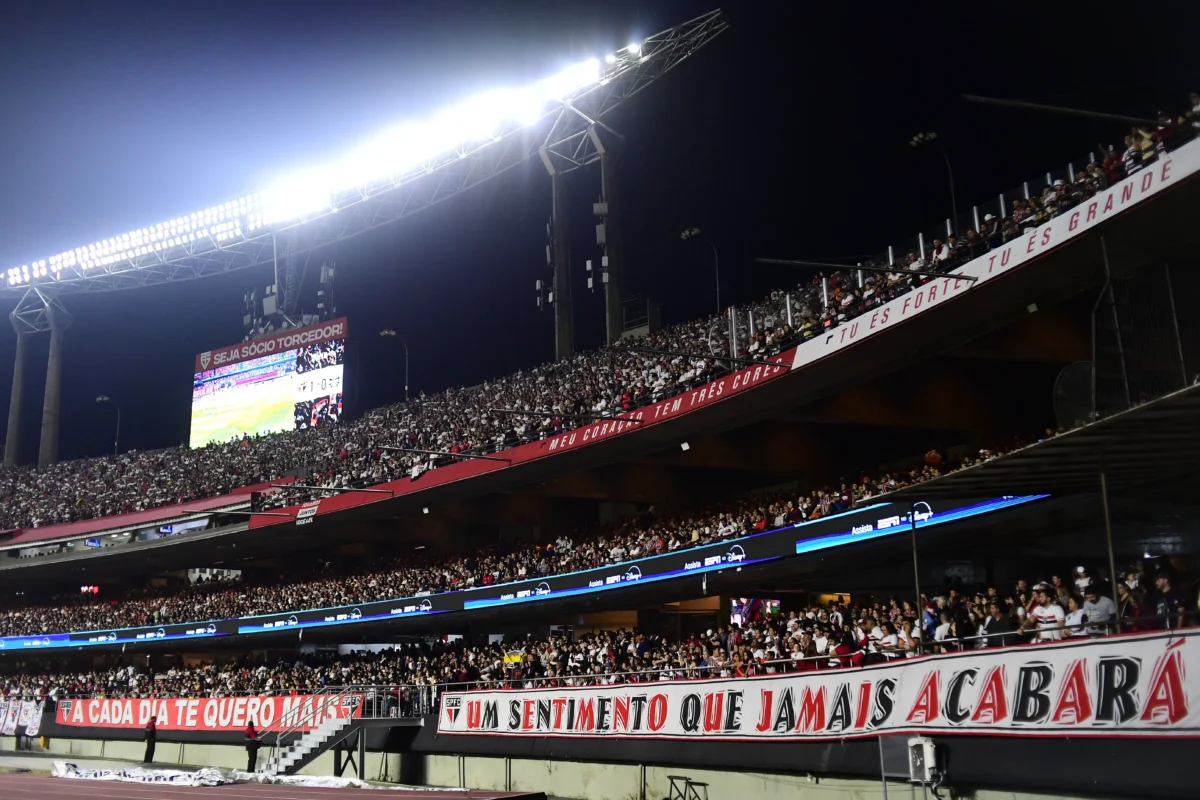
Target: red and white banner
x: 1122, y: 685
x: 1029, y: 245
x: 278, y: 342
x: 209, y: 714
x: 9, y: 726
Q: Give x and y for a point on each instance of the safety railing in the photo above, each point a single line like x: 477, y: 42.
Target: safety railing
x: 323, y: 704
x: 404, y: 700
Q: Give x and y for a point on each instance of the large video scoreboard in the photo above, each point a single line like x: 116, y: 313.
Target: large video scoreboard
x: 289, y: 380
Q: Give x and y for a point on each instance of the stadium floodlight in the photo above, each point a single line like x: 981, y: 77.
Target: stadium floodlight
x: 487, y: 133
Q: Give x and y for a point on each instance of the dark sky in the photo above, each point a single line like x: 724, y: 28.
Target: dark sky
x: 786, y: 137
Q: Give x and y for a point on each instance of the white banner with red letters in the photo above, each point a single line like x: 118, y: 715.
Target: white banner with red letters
x: 1156, y: 177
x: 1122, y: 685
x: 209, y: 713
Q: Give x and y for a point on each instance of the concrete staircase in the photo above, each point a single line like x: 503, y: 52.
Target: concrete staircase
x: 291, y: 758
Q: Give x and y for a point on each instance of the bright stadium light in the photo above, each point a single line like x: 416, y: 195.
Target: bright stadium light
x: 400, y: 149
x: 393, y: 157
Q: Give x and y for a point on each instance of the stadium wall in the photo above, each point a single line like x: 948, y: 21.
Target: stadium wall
x: 592, y: 777
x: 610, y: 769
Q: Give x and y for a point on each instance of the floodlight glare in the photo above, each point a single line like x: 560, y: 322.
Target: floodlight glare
x: 297, y: 196
x: 394, y: 156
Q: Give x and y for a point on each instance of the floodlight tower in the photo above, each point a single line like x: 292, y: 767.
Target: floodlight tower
x: 560, y: 223
x: 405, y: 170
x: 608, y: 231
x: 38, y: 311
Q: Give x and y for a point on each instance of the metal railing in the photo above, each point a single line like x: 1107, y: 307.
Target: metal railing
x: 400, y: 700
x: 303, y: 720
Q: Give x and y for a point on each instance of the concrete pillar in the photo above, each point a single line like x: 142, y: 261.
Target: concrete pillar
x: 48, y: 452
x: 613, y: 247
x: 12, y: 440
x: 564, y: 335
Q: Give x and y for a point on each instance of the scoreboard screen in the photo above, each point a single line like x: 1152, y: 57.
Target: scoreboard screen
x: 290, y: 389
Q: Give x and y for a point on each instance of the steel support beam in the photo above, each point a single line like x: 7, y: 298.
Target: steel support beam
x: 12, y: 438
x: 607, y: 143
x: 564, y: 326
x: 52, y: 403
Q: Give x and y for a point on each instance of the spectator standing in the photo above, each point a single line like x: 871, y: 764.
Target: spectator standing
x: 251, y: 748
x: 1082, y: 581
x: 151, y: 737
x: 999, y: 628
x: 1075, y: 617
x: 1047, y: 616
x: 1167, y: 604
x: 1099, y: 611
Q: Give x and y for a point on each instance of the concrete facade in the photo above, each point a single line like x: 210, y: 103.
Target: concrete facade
x: 566, y: 779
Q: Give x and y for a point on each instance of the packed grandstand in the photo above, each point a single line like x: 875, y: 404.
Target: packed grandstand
x: 410, y: 576
x: 607, y: 382
x: 558, y: 396
x: 831, y: 636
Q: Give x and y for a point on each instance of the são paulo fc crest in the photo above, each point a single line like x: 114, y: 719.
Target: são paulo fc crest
x: 453, y: 707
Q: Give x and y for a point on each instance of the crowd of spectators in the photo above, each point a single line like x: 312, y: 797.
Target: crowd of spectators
x: 837, y: 634
x: 408, y: 576
x: 604, y: 382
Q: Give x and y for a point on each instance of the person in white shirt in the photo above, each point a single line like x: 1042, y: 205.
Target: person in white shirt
x: 889, y: 641
x: 909, y: 636
x: 1075, y: 618
x: 940, y: 252
x: 1082, y: 581
x: 1048, y: 617
x: 942, y: 631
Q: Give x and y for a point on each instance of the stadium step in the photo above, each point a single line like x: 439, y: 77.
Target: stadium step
x: 292, y: 757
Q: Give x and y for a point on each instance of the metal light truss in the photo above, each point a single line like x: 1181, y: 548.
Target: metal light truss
x: 564, y: 137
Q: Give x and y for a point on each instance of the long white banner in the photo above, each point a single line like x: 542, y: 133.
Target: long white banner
x: 9, y: 726
x: 34, y: 726
x: 1156, y: 177
x: 1121, y: 685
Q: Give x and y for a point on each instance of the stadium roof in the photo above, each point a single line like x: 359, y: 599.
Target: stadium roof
x: 404, y: 169
x: 1150, y: 443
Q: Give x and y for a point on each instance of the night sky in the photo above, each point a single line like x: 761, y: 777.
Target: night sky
x: 787, y: 137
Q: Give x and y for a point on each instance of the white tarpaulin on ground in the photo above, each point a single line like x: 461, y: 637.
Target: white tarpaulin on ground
x: 219, y: 777
x: 173, y: 777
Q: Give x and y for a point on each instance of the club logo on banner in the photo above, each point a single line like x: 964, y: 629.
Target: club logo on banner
x: 1123, y: 684
x: 210, y: 714
x: 34, y: 726
x: 26, y: 713
x: 10, y: 718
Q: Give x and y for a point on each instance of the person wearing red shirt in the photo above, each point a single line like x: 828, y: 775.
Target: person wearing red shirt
x: 252, y: 744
